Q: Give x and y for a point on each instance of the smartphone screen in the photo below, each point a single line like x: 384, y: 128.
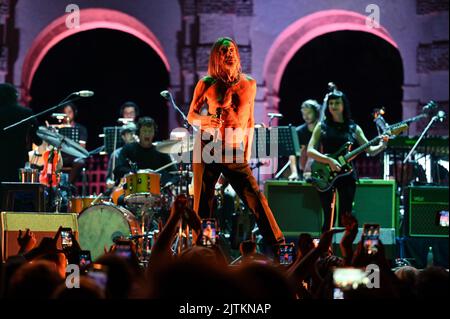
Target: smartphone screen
x: 286, y: 254
x: 443, y: 218
x: 123, y: 251
x: 84, y: 258
x: 338, y: 293
x: 371, y: 235
x: 316, y: 242
x: 99, y: 274
x: 348, y: 278
x: 66, y: 238
x: 208, y: 232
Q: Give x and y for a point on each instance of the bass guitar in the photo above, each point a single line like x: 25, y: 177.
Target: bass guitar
x: 323, y: 178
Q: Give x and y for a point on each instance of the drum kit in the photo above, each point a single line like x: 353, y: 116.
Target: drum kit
x: 101, y: 222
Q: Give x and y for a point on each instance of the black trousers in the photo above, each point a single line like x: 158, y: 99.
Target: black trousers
x: 244, y: 183
x: 346, y: 187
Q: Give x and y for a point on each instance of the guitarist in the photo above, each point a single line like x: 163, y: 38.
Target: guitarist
x: 329, y: 136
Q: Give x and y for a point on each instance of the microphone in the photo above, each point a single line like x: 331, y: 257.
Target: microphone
x: 441, y: 116
x: 219, y: 116
x: 84, y: 93
x: 331, y: 87
x: 165, y: 94
x: 272, y: 115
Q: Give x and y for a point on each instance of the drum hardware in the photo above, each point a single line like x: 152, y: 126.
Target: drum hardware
x: 66, y: 144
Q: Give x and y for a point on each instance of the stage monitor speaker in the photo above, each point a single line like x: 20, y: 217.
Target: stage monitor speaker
x: 375, y: 202
x: 296, y: 206
x: 22, y: 197
x: 428, y: 211
x: 387, y: 237
x: 41, y: 224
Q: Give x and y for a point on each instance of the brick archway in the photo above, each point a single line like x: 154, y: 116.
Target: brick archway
x: 301, y: 32
x: 90, y: 19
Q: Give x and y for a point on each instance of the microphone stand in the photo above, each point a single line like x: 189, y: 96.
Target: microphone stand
x: 433, y: 119
x: 186, y: 124
x: 60, y: 104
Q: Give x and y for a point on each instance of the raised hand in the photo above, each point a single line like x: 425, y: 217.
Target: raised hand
x: 26, y: 242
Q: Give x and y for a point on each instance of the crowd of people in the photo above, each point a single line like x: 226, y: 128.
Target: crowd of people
x: 205, y: 273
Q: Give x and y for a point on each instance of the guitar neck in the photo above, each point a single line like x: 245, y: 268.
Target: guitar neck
x: 362, y: 148
x: 408, y: 121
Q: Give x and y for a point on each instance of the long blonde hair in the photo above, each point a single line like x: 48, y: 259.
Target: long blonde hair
x: 215, y: 67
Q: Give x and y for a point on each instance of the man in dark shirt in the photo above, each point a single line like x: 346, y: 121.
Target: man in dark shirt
x: 143, y: 154
x: 15, y: 142
x: 311, y: 115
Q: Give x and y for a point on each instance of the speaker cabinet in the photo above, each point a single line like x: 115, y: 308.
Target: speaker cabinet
x: 296, y: 206
x: 375, y: 202
x: 426, y: 206
x: 297, y: 209
x: 42, y: 225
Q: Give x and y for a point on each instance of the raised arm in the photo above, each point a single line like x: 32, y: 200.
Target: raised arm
x: 372, y: 150
x: 198, y: 99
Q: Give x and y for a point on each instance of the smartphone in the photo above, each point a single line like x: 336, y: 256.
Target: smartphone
x: 442, y: 217
x: 123, y: 249
x: 346, y: 278
x: 99, y: 274
x: 208, y: 232
x: 66, y: 238
x: 371, y: 236
x: 84, y: 258
x: 286, y: 254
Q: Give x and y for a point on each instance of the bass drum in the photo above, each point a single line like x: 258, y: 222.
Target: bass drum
x: 100, y: 225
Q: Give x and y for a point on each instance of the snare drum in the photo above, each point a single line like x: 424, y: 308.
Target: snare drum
x: 142, y: 186
x: 29, y: 175
x: 100, y: 225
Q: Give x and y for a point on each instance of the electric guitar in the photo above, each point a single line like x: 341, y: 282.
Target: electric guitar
x: 323, y: 178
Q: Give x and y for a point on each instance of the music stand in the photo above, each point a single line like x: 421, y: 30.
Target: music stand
x: 112, y: 138
x: 71, y: 132
x: 284, y: 138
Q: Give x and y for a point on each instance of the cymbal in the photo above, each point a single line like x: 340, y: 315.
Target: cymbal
x: 66, y: 144
x: 175, y: 146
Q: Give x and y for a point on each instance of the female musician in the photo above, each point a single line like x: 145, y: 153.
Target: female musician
x: 328, y: 137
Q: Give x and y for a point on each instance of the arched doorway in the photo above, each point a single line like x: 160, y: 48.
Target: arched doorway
x: 365, y: 67
x: 338, y: 46
x: 299, y: 33
x: 112, y: 54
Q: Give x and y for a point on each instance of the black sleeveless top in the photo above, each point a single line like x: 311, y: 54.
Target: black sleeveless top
x: 334, y: 135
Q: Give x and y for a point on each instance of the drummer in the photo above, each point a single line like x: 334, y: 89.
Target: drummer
x: 128, y: 136
x: 142, y: 154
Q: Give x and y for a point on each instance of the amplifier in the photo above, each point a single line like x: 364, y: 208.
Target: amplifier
x: 42, y: 225
x: 428, y: 211
x: 297, y: 209
x: 375, y: 202
x: 295, y: 205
